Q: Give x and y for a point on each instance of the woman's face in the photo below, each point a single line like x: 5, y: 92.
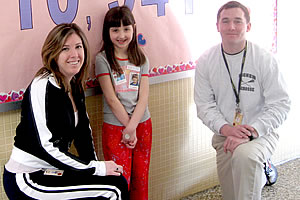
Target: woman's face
x: 71, y: 57
x: 121, y: 36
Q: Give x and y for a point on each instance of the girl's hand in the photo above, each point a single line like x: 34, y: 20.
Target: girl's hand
x: 131, y: 144
x: 113, y: 169
x: 129, y: 139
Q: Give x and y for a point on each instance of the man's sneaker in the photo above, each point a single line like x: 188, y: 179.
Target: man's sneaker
x: 271, y: 173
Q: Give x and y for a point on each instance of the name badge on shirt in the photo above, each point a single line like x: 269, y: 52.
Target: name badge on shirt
x: 119, y: 79
x: 53, y: 172
x: 238, y: 117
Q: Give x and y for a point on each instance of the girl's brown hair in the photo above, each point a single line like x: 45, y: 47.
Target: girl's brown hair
x: 53, y: 46
x: 113, y: 18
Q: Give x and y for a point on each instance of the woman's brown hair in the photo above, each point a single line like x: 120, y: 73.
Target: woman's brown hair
x: 53, y: 46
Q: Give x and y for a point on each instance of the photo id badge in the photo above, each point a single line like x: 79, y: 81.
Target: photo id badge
x: 54, y: 172
x: 119, y: 79
x: 238, y: 117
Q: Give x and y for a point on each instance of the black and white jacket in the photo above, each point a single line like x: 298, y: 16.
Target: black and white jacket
x: 47, y: 129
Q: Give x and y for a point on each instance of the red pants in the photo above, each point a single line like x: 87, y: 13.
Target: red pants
x: 135, y: 161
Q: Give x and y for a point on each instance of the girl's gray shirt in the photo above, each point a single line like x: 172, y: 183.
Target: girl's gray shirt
x: 126, y: 86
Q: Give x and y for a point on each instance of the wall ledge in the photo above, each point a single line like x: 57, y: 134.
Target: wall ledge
x: 15, y: 105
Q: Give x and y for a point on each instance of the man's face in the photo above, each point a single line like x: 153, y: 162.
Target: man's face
x: 233, y: 26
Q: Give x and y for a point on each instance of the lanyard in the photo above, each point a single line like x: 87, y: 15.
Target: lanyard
x: 236, y: 93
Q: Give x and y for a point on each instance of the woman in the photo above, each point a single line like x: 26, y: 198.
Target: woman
x: 53, y: 116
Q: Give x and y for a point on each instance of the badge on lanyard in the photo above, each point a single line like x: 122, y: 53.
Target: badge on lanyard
x: 238, y: 117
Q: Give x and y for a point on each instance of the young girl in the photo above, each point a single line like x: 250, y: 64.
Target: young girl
x: 127, y: 127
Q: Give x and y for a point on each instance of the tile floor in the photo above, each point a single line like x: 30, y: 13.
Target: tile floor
x: 287, y: 186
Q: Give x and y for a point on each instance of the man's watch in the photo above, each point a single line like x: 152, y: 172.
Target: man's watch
x: 252, y: 137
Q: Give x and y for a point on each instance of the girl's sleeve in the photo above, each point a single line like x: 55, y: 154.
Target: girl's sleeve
x: 145, y: 68
x: 101, y: 65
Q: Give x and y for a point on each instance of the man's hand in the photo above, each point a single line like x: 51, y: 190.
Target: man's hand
x: 232, y: 142
x: 239, y: 131
x: 236, y: 135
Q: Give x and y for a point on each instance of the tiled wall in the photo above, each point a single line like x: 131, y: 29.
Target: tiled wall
x: 182, y: 160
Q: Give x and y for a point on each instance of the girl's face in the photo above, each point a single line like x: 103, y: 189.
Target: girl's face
x: 71, y: 57
x: 121, y: 36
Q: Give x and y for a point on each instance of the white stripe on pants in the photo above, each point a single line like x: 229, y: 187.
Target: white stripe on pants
x: 68, y: 192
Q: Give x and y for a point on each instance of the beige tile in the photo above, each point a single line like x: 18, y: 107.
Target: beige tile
x: 182, y: 159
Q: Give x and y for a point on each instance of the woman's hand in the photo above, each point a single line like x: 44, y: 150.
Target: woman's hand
x: 113, y: 169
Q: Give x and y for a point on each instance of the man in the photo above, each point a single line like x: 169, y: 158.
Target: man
x: 241, y: 96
